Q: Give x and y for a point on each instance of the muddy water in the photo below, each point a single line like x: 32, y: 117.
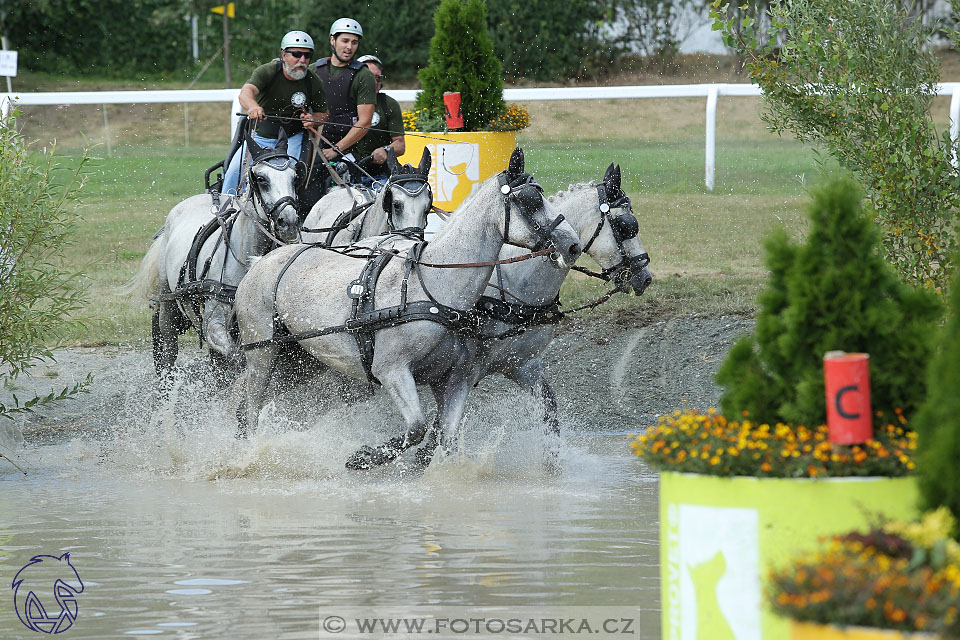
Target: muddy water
x: 178, y: 530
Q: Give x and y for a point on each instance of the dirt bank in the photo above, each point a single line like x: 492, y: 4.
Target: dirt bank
x: 615, y: 373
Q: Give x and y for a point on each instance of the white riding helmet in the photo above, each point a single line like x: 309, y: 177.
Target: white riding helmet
x: 370, y: 58
x: 346, y: 25
x: 297, y: 39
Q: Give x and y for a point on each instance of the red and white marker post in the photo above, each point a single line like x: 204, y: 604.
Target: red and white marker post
x: 451, y: 105
x: 847, y: 383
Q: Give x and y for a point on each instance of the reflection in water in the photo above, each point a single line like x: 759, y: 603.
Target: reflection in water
x: 183, y: 531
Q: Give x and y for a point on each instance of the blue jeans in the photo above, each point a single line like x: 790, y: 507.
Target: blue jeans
x: 231, y: 176
x: 376, y: 183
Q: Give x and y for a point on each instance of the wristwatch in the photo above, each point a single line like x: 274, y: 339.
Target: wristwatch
x: 337, y: 149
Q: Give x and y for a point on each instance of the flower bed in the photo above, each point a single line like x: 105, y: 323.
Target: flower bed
x: 513, y: 118
x: 706, y: 442
x: 899, y: 576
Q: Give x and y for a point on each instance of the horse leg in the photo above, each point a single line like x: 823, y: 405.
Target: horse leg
x: 164, y: 329
x: 216, y: 315
x: 431, y: 442
x: 530, y: 376
x: 402, y: 388
x: 451, y: 394
x: 225, y: 356
x: 259, y: 369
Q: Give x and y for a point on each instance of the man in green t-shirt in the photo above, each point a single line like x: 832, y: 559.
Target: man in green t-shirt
x: 349, y: 88
x: 285, y: 88
x: 386, y: 128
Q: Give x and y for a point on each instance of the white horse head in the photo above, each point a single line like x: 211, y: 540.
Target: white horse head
x: 542, y: 226
x: 272, y: 187
x: 610, y: 232
x: 352, y: 214
x: 406, y: 198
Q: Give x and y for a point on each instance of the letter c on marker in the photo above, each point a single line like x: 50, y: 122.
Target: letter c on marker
x: 839, y: 399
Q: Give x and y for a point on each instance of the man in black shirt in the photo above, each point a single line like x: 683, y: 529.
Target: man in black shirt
x: 349, y: 87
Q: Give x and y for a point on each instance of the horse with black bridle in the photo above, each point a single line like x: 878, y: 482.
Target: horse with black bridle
x: 192, y: 270
x: 519, y: 310
x: 406, y: 310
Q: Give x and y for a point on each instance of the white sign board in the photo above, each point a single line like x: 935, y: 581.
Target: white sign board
x: 8, y: 63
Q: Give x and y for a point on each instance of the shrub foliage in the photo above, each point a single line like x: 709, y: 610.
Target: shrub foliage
x: 856, y: 77
x: 461, y: 59
x: 37, y: 293
x: 938, y: 421
x: 834, y: 292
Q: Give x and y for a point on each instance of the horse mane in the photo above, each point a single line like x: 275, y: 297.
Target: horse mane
x: 580, y: 186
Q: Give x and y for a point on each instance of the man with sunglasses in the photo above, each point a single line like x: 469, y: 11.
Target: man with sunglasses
x: 386, y: 128
x: 283, y: 93
x: 350, y: 89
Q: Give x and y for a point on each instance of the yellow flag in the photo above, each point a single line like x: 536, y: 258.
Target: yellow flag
x: 230, y: 10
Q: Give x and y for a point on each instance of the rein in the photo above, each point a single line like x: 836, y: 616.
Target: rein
x: 256, y: 221
x: 415, y: 134
x: 488, y: 263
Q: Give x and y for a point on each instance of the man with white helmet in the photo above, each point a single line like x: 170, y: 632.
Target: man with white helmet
x: 287, y: 89
x: 350, y: 89
x: 386, y: 130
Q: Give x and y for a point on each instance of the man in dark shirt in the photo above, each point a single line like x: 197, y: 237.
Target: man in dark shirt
x: 349, y: 87
x: 285, y: 87
x: 386, y: 128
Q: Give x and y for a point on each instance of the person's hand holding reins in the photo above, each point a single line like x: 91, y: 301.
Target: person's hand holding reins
x: 379, y: 155
x: 312, y: 120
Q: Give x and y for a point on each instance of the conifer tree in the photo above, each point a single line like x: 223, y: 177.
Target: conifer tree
x: 834, y: 292
x: 938, y: 421
x: 461, y: 59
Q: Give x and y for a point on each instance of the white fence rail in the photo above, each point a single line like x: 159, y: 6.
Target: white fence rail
x: 711, y: 92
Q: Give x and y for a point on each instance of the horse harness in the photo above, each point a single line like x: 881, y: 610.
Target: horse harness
x: 196, y: 288
x: 400, y: 180
x: 365, y: 319
x: 523, y: 315
x: 624, y: 227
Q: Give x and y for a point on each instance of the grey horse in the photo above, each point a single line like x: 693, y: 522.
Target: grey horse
x: 307, y: 291
x: 354, y: 213
x: 191, y: 282
x: 521, y: 302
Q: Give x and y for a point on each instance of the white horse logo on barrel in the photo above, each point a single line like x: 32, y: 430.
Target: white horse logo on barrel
x: 457, y: 169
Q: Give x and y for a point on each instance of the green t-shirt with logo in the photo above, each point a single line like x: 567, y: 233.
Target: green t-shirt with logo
x: 277, y: 99
x: 387, y: 124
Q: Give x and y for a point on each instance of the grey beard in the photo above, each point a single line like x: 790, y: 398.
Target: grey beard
x: 296, y: 74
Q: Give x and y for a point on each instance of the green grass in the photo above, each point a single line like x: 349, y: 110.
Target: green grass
x: 765, y: 167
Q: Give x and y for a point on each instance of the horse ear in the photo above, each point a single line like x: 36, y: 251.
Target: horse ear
x: 608, y: 174
x: 282, y: 141
x: 614, y: 176
x: 255, y: 149
x: 392, y: 164
x: 515, y: 168
x: 425, y: 161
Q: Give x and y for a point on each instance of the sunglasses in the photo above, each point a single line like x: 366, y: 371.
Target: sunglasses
x: 300, y: 54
